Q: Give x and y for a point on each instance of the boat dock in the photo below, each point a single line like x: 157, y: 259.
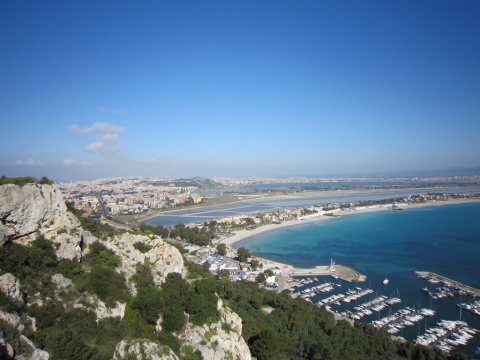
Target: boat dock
x: 432, y: 277
x: 337, y: 271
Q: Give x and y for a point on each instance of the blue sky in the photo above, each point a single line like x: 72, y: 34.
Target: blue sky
x: 238, y: 88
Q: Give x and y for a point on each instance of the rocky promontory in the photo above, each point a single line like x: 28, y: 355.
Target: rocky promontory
x: 53, y: 293
x: 35, y: 209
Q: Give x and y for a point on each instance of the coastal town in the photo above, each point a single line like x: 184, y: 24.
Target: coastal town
x: 105, y: 198
x: 128, y: 195
x: 341, y: 290
x: 144, y: 197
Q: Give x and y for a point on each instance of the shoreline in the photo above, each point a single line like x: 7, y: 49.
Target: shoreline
x: 274, y: 197
x: 244, y: 234
x: 290, y: 270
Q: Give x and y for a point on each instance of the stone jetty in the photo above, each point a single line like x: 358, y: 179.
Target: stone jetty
x: 432, y: 277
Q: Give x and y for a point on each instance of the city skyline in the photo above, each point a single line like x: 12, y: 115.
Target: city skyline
x: 267, y: 89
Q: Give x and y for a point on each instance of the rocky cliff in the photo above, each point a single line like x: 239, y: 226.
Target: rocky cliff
x: 31, y: 210
x: 221, y: 340
x: 160, y: 256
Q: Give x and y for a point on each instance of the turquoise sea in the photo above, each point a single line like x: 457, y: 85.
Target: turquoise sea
x: 442, y: 239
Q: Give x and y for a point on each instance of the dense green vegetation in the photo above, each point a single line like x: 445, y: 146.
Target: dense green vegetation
x: 25, y: 180
x: 295, y: 329
x: 194, y: 235
x: 67, y: 332
x: 222, y: 249
x: 97, y: 228
x: 243, y: 254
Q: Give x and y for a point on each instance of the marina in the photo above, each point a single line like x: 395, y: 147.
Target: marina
x: 382, y: 246
x: 404, y: 317
x: 334, y: 270
x: 473, y: 307
x: 392, y: 314
x: 447, y: 335
x: 455, y: 286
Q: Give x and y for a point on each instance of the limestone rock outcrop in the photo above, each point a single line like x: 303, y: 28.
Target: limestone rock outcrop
x: 101, y: 310
x: 221, y: 340
x: 35, y: 354
x: 31, y: 210
x: 163, y: 258
x: 34, y: 209
x: 12, y: 319
x: 142, y: 349
x: 6, y: 350
x: 61, y: 281
x: 10, y: 286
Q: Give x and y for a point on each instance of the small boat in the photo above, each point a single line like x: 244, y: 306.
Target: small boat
x: 385, y: 281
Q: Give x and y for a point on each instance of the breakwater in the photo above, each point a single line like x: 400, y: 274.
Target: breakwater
x: 337, y: 271
x: 432, y: 277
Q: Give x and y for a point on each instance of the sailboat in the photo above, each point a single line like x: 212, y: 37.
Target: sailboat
x: 385, y: 281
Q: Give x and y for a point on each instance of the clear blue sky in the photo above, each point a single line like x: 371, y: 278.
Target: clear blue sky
x: 159, y: 88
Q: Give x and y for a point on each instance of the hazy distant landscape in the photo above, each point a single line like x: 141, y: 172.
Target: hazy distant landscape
x: 174, y: 175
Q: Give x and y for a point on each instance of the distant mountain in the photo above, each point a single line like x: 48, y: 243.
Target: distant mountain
x: 200, y: 182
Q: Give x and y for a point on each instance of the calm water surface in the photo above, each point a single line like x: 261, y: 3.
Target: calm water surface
x: 393, y: 244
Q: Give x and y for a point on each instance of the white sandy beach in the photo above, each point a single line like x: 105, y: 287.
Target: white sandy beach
x: 291, y: 270
x: 243, y: 234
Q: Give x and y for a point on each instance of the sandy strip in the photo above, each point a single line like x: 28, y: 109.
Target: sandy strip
x: 243, y: 234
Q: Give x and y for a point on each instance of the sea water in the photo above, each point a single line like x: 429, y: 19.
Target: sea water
x: 390, y: 244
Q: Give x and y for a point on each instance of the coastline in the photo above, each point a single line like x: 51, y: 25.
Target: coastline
x: 321, y: 194
x: 244, y: 234
x: 290, y: 270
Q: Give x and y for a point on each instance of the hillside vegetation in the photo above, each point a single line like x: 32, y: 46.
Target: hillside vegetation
x: 117, y: 294
x: 25, y: 180
x: 294, y: 330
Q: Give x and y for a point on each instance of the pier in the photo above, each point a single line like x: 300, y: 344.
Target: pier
x: 334, y: 270
x: 337, y: 271
x: 432, y: 277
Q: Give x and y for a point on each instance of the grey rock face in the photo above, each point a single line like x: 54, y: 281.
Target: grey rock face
x: 31, y: 210
x: 222, y: 340
x: 13, y: 319
x: 162, y: 257
x: 61, y: 281
x: 36, y: 354
x: 10, y: 286
x: 6, y: 350
x: 143, y: 349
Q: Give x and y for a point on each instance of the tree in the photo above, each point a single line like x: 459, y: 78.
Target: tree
x: 261, y: 278
x: 222, y: 249
x: 267, y: 345
x: 243, y: 254
x: 223, y: 274
x: 173, y: 317
x: 249, y: 221
x: 149, y: 303
x: 255, y: 264
x: 45, y: 180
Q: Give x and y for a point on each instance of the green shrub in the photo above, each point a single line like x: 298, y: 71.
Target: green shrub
x: 142, y: 247
x: 107, y: 284
x: 173, y: 317
x: 23, y: 180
